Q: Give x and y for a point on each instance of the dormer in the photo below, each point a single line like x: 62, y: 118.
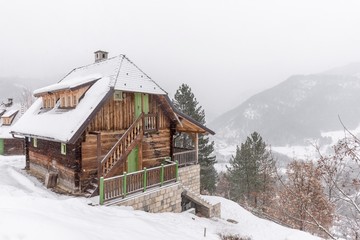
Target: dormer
x: 8, y: 117
x: 69, y: 94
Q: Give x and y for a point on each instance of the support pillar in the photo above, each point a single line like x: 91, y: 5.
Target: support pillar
x: 197, y: 147
x: 27, y: 156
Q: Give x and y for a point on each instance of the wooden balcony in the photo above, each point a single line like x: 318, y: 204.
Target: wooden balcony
x: 151, y: 123
x: 140, y: 181
x: 185, y: 157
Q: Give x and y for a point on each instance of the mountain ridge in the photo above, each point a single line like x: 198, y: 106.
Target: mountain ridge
x: 297, y: 109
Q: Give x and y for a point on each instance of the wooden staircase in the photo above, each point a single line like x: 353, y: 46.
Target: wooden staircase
x: 115, y: 159
x: 119, y: 152
x: 92, y: 189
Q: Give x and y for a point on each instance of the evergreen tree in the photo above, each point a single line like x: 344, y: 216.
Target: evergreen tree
x: 252, y: 173
x: 186, y: 102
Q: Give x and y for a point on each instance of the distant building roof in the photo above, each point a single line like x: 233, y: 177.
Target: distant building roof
x: 6, y: 112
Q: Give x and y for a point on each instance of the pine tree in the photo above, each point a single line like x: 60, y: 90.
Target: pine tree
x: 186, y: 102
x: 252, y: 173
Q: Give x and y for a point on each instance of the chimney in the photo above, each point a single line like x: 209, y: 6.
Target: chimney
x: 100, y: 55
x: 9, y: 103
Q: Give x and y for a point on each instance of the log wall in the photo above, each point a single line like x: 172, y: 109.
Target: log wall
x: 47, y: 157
x: 13, y: 146
x: 115, y: 117
x: 89, y: 162
x: 156, y: 147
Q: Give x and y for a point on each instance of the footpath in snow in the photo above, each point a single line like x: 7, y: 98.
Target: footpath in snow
x: 30, y: 211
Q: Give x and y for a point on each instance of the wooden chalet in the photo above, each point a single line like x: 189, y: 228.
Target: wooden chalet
x: 9, y: 114
x: 102, y: 120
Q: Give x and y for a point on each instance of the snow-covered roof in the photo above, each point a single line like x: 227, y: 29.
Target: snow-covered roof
x: 61, y: 124
x: 8, y: 112
x: 68, y: 84
x: 131, y: 78
x: 117, y: 73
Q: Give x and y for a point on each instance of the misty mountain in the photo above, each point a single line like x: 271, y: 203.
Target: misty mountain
x: 297, y: 109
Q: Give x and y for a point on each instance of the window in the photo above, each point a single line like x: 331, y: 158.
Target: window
x: 63, y: 148
x: 35, y: 144
x: 74, y: 100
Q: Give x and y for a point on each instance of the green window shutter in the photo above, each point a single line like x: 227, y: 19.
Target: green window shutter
x: 63, y: 148
x: 1, y: 146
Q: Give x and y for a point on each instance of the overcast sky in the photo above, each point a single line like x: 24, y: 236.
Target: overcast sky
x: 225, y: 50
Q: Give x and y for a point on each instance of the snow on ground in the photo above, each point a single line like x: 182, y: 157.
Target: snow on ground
x: 30, y: 211
x: 297, y: 152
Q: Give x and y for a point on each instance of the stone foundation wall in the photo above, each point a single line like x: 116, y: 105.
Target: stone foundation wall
x: 164, y: 199
x: 189, y: 177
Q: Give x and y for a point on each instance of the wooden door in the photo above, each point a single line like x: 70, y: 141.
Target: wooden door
x: 1, y: 146
x: 133, y: 158
x: 132, y: 165
x: 145, y: 99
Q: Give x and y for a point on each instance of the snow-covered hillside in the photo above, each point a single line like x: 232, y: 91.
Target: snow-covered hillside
x: 29, y: 211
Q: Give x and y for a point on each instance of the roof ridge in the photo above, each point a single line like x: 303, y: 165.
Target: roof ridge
x: 117, y: 71
x: 91, y: 64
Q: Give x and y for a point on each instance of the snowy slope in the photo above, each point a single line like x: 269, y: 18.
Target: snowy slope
x: 29, y: 211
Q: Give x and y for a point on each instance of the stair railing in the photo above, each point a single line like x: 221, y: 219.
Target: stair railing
x: 119, y: 150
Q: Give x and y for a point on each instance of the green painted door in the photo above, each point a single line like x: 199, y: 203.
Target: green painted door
x: 133, y: 160
x: 1, y: 146
x: 133, y: 156
x: 146, y: 103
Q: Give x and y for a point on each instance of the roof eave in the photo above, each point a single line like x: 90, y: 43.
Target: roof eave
x: 183, y: 115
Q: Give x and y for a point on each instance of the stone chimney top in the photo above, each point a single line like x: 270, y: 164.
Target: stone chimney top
x: 100, y: 55
x: 9, y: 103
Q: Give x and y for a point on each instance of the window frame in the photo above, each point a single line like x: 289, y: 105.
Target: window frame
x: 63, y: 148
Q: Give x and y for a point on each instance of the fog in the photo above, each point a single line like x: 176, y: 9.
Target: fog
x: 225, y: 50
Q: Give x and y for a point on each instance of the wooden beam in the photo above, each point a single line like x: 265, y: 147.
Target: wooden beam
x: 197, y: 147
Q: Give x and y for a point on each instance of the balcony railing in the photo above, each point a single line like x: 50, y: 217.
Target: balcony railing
x: 140, y: 181
x: 185, y: 158
x: 150, y: 122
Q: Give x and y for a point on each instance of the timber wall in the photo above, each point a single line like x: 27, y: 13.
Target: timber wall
x: 47, y: 157
x: 189, y: 177
x: 13, y: 146
x: 156, y: 147
x: 164, y: 199
x: 119, y: 115
x: 89, y: 163
x: 113, y: 119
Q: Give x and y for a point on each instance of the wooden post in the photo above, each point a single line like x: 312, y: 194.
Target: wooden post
x: 162, y: 175
x: 27, y: 157
x: 176, y: 170
x: 124, y: 184
x: 197, y: 148
x: 98, y: 153
x: 145, y: 179
x: 101, y: 191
